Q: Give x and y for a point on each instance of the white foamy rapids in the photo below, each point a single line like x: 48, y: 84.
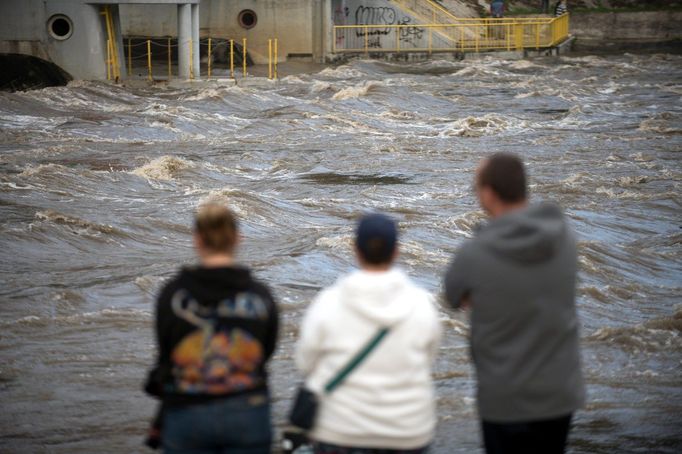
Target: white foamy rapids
x: 414, y: 254
x: 230, y: 197
x: 31, y: 122
x: 655, y: 335
x: 77, y: 225
x: 663, y: 123
x: 464, y: 224
x: 522, y: 64
x: 149, y: 284
x: 342, y: 72
x: 488, y: 124
x: 632, y: 180
x: 485, y: 68
x: 395, y: 114
x: 320, y: 86
x: 212, y: 93
x: 42, y: 169
x: 356, y: 91
x: 293, y: 79
x: 341, y: 244
x: 164, y: 168
x: 109, y: 316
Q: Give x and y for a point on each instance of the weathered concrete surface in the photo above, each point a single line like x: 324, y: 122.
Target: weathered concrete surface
x: 291, y: 21
x: 83, y: 52
x: 627, y: 29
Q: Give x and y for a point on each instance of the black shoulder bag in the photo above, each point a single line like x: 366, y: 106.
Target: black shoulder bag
x: 305, y: 406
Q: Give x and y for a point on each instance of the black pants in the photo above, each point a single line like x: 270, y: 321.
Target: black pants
x: 533, y: 437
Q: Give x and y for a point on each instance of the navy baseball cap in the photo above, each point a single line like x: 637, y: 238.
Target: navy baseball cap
x: 376, y: 238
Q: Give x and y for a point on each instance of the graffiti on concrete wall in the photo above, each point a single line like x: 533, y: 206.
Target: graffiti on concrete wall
x: 384, y: 15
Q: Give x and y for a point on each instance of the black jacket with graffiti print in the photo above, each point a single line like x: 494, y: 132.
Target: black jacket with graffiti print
x: 215, y: 329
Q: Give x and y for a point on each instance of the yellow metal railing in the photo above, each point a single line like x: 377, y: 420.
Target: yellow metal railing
x: 113, y: 65
x: 143, y: 58
x: 467, y: 35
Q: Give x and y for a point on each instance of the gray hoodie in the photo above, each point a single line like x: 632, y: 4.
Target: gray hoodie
x: 519, y: 273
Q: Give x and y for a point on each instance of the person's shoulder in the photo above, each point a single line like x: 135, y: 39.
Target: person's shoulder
x: 326, y: 302
x: 260, y: 288
x: 467, y: 251
x: 172, y: 285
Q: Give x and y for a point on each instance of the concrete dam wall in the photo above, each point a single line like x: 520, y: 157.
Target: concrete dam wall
x: 620, y: 30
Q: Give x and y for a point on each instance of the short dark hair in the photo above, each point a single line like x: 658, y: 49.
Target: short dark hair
x: 505, y: 175
x: 376, y: 238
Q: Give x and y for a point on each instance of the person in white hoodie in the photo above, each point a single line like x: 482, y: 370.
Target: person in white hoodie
x: 386, y: 404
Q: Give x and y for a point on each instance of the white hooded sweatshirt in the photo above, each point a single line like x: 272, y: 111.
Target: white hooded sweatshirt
x: 388, y: 400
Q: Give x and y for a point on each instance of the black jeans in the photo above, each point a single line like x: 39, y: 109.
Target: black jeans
x: 533, y: 437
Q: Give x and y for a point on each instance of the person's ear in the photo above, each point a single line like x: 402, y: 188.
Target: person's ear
x: 486, y: 198
x: 358, y: 255
x: 198, y: 242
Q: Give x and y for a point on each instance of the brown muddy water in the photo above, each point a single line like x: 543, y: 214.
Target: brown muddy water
x: 97, y: 185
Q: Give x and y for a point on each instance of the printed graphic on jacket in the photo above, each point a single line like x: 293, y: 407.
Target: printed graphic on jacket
x: 217, y: 358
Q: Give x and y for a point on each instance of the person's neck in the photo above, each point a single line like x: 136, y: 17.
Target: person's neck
x: 217, y: 260
x: 506, y: 208
x: 375, y: 268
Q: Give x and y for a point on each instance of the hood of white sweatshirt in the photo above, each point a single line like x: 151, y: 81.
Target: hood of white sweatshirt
x: 382, y: 297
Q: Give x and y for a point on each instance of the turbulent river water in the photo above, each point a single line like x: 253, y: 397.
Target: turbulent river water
x: 98, y: 182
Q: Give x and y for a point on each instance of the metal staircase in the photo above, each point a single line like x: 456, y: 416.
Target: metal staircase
x: 427, y: 11
x: 430, y: 12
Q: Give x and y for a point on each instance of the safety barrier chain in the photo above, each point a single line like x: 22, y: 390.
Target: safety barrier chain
x: 169, y: 46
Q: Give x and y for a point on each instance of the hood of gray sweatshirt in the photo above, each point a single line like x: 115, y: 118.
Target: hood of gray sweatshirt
x: 519, y: 274
x: 527, y: 236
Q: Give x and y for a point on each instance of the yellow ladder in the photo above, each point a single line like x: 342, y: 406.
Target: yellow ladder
x: 113, y: 65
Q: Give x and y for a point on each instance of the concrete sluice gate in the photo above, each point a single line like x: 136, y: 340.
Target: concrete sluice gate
x: 89, y: 40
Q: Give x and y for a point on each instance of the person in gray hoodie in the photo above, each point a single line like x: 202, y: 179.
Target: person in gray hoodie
x: 518, y: 277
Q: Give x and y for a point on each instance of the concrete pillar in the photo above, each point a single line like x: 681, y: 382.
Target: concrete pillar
x: 184, y: 36
x: 195, y: 41
x: 318, y: 49
x: 327, y: 29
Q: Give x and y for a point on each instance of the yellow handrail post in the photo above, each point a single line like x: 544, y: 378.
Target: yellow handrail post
x: 232, y: 58
x: 433, y: 21
x: 478, y: 37
x: 169, y: 59
x: 269, y: 58
x: 115, y: 67
x: 149, y: 59
x: 130, y: 58
x: 508, y: 27
x: 191, y: 61
x: 518, y: 36
x: 276, y: 45
x: 366, y: 40
x: 209, y: 58
x: 108, y: 59
x: 537, y: 36
x: 243, y: 57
